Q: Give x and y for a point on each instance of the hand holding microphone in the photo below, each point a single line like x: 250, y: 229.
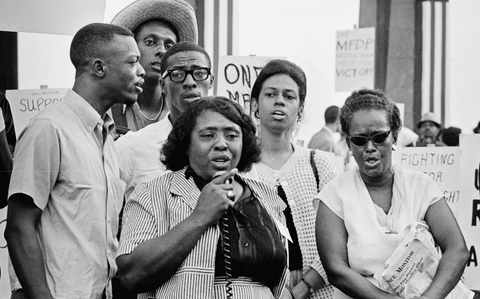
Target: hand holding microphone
x: 229, y: 181
x: 216, y: 197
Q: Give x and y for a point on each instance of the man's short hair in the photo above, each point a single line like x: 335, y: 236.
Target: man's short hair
x: 331, y: 114
x: 182, y: 47
x: 93, y: 41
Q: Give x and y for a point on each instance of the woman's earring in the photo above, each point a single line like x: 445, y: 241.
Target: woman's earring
x: 394, y: 147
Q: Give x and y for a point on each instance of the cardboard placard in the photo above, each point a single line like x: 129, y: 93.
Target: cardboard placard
x: 26, y: 103
x: 236, y: 75
x: 355, y: 59
x: 457, y: 171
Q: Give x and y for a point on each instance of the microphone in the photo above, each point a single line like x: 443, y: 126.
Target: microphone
x: 219, y: 173
x: 230, y: 194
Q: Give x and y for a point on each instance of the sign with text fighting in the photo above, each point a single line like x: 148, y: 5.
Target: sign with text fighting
x: 457, y: 172
x: 236, y: 75
x: 442, y: 164
x: 26, y: 103
x: 355, y: 59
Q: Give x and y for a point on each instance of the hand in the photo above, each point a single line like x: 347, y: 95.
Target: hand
x: 286, y: 294
x: 213, y: 200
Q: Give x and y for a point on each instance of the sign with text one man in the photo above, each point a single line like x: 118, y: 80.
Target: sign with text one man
x: 236, y: 75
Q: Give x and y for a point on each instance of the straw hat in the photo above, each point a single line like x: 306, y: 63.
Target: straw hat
x: 431, y: 117
x: 178, y: 13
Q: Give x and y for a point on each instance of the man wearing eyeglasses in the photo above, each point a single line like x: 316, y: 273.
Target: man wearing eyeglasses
x: 186, y: 77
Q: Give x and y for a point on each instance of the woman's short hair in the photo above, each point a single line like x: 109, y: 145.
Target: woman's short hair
x: 281, y: 67
x: 175, y: 149
x: 370, y: 99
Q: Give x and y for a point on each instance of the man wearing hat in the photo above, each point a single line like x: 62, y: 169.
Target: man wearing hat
x: 429, y: 127
x: 157, y: 25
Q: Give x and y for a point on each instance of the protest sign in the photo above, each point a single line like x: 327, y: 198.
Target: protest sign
x: 26, y: 103
x: 469, y: 221
x: 442, y: 164
x: 236, y: 75
x: 355, y: 59
x: 457, y: 171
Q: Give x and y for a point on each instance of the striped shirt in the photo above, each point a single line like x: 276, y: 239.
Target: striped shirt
x: 159, y: 205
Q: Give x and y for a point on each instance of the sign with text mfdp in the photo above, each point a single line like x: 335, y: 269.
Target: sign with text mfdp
x: 26, y: 103
x: 355, y: 59
x: 236, y: 75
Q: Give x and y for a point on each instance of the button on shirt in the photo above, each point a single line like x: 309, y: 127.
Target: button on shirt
x: 67, y: 162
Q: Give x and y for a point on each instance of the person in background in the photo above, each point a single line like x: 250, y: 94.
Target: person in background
x: 323, y: 139
x: 278, y: 99
x: 341, y: 149
x: 449, y: 136
x: 65, y: 192
x: 157, y: 25
x: 429, y: 127
x: 7, y: 147
x: 203, y: 230
x: 476, y: 130
x: 363, y: 212
x: 186, y: 77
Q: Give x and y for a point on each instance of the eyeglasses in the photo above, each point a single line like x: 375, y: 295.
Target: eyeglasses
x: 200, y: 74
x: 378, y: 138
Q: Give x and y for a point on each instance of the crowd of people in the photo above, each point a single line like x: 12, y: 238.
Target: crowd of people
x: 140, y: 185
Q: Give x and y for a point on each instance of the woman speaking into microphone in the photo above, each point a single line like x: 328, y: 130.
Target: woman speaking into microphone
x: 195, y: 234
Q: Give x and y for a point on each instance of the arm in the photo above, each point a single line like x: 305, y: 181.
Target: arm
x: 154, y: 261
x: 6, y: 162
x: 6, y: 165
x: 448, y: 236
x: 22, y: 220
x: 332, y: 237
x: 302, y: 291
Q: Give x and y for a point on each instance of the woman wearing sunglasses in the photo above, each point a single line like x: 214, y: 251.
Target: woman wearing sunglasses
x: 363, y: 212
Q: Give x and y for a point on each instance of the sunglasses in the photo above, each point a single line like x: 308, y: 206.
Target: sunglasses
x: 377, y: 139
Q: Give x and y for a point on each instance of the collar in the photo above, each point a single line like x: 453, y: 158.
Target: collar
x: 87, y: 114
x: 199, y: 181
x: 330, y: 131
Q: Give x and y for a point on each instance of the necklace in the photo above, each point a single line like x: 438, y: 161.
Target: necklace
x: 151, y: 119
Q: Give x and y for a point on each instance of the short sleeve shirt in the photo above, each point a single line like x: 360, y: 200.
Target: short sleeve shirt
x: 371, y: 238
x: 74, y: 179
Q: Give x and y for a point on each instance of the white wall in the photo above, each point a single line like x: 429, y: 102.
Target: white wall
x: 43, y: 59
